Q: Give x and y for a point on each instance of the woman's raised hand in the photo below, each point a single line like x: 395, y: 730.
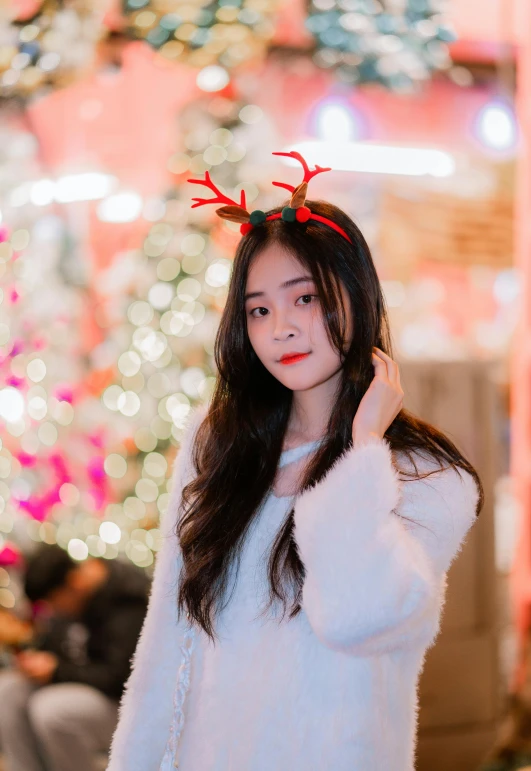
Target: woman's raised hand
x: 382, y: 401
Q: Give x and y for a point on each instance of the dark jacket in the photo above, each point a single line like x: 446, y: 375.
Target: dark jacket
x: 96, y: 649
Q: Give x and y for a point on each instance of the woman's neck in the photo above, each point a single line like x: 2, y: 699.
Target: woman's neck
x: 296, y: 440
x: 310, y: 413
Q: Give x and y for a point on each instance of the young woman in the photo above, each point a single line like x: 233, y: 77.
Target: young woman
x: 311, y: 525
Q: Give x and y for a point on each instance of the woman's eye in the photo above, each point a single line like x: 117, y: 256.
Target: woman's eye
x: 251, y: 313
x: 307, y: 295
x: 260, y: 315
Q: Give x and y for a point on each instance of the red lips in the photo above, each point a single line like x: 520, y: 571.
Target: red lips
x: 291, y: 358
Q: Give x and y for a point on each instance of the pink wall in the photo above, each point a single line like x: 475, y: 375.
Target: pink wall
x: 488, y: 20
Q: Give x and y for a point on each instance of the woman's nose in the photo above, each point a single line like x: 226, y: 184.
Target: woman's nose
x: 284, y: 327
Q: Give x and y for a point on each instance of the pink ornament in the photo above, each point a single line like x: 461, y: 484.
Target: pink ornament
x: 99, y: 490
x: 17, y: 347
x: 4, y: 233
x: 16, y: 382
x: 64, y: 394
x: 39, y: 507
x: 59, y: 464
x: 97, y: 438
x: 39, y: 343
x: 96, y: 470
x: 99, y: 497
x: 10, y: 556
x: 25, y: 459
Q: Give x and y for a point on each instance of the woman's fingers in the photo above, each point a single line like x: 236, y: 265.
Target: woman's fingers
x: 380, y: 367
x: 393, y: 371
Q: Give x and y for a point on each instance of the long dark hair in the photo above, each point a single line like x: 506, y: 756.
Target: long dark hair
x: 238, y: 445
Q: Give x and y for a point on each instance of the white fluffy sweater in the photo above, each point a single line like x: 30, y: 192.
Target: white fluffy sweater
x: 335, y: 687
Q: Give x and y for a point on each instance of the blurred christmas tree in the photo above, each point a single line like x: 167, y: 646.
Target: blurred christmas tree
x: 52, y: 482
x: 164, y: 347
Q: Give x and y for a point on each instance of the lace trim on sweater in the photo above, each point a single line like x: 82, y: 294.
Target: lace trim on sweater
x: 170, y: 760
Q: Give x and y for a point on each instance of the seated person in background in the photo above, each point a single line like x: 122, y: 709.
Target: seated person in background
x: 59, y: 704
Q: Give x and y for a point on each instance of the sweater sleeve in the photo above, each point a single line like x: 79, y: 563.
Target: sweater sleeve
x: 376, y: 550
x: 146, y: 705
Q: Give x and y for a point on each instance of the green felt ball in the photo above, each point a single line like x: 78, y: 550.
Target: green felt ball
x: 257, y: 217
x: 288, y: 214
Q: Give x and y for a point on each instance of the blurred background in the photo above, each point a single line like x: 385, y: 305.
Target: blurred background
x: 111, y: 288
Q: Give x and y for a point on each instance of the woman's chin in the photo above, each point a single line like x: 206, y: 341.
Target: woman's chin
x: 301, y: 381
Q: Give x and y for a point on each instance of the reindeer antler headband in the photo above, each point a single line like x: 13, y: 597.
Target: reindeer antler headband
x: 296, y: 211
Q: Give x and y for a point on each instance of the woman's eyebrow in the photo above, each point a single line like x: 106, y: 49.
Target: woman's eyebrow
x: 284, y: 285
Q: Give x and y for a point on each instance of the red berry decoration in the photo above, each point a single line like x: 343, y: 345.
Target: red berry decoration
x: 303, y: 214
x: 245, y: 228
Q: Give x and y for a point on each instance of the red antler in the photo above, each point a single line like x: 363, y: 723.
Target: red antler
x: 308, y: 174
x: 220, y: 197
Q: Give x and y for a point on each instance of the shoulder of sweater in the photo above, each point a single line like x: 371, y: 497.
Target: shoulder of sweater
x: 429, y: 468
x: 195, y: 417
x: 182, y: 464
x: 183, y: 457
x: 444, y: 487
x: 436, y: 482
